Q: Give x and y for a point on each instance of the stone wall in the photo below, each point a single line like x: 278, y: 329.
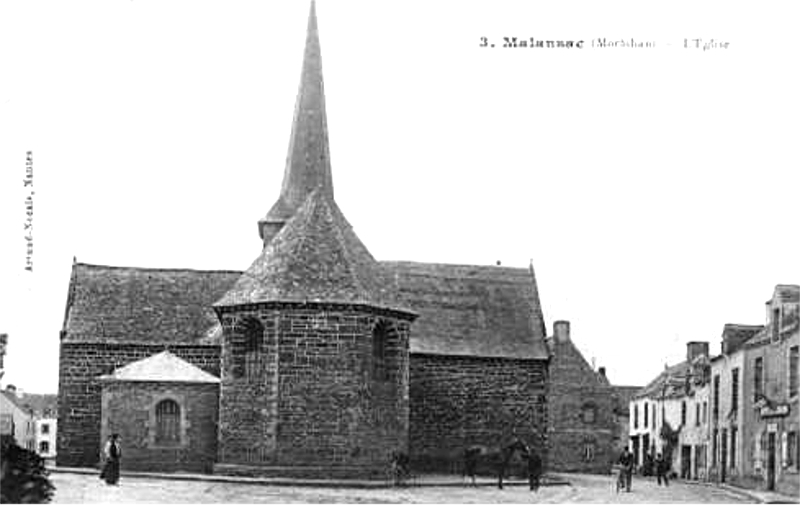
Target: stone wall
x: 582, y: 418
x: 310, y: 395
x: 80, y: 364
x: 459, y: 401
x: 128, y: 408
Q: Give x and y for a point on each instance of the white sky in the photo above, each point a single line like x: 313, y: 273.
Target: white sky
x: 656, y: 191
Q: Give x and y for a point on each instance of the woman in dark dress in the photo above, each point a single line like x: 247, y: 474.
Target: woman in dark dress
x: 113, y: 453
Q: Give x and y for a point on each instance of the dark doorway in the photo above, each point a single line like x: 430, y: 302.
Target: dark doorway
x: 771, y: 462
x: 636, y: 456
x: 686, y: 462
x: 723, y: 456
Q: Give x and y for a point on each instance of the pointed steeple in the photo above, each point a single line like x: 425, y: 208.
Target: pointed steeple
x: 308, y: 161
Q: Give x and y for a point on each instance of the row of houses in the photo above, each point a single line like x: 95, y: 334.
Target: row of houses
x: 732, y: 417
x: 31, y: 419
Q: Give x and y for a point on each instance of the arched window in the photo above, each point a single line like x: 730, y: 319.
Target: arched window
x: 253, y: 333
x: 246, y: 347
x: 380, y: 334
x: 168, y: 422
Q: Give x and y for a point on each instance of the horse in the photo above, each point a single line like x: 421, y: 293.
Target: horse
x: 517, y: 445
x: 399, y: 467
x: 471, y: 455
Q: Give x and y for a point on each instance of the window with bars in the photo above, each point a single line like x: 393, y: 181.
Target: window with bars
x: 246, y: 348
x: 168, y: 422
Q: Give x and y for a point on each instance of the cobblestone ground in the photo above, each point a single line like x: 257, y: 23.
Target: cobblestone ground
x: 76, y: 488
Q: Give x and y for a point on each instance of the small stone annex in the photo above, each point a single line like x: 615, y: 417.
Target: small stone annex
x: 317, y: 360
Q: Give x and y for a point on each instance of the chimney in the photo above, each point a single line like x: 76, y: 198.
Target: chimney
x: 602, y: 371
x: 11, y: 388
x: 561, y: 331
x: 695, y: 349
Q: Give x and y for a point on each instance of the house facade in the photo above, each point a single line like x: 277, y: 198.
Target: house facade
x: 17, y: 418
x: 46, y: 430
x: 770, y: 389
x: 669, y: 416
x: 582, y: 422
x: 727, y: 418
x: 734, y: 415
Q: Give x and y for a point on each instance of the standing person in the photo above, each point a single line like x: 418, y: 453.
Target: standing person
x: 534, y: 469
x: 661, y: 469
x: 626, y: 461
x: 113, y: 454
x: 471, y: 462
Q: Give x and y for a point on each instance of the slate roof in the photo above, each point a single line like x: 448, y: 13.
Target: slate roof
x: 316, y: 257
x: 143, y: 305
x: 308, y: 164
x: 463, y: 310
x: 787, y: 293
x: 669, y: 382
x: 161, y: 367
x: 17, y: 402
x: 734, y: 336
x: 622, y: 396
x: 472, y: 310
x: 41, y: 403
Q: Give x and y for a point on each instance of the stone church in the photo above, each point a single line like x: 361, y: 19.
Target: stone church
x: 317, y: 360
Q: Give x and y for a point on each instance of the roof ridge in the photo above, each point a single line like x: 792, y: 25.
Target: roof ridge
x: 178, y: 370
x: 156, y: 269
x: 458, y: 265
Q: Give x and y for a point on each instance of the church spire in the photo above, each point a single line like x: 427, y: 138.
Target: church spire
x: 308, y: 161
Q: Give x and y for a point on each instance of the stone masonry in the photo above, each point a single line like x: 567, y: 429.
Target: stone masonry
x: 582, y: 419
x: 312, y: 395
x: 459, y: 401
x: 79, y: 391
x: 128, y: 408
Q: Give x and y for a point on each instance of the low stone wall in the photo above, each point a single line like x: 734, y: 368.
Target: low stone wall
x: 459, y: 401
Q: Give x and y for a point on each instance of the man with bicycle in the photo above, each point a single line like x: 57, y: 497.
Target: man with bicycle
x: 626, y: 461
